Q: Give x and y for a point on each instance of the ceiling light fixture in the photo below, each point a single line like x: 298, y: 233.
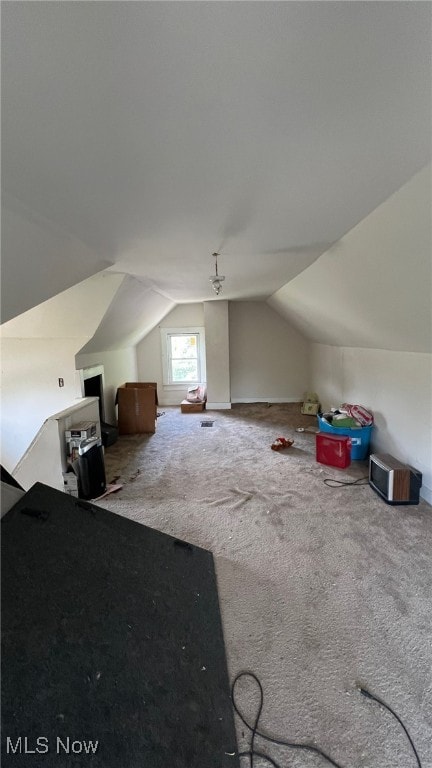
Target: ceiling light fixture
x: 217, y: 279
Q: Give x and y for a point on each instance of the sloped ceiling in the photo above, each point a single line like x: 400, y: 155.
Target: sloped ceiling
x: 152, y: 134
x: 71, y: 314
x: 38, y: 259
x: 374, y: 287
x: 133, y: 312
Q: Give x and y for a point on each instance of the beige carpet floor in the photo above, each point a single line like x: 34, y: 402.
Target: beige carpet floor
x: 320, y: 588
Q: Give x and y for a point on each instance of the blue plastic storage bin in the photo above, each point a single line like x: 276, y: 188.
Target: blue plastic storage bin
x: 360, y: 438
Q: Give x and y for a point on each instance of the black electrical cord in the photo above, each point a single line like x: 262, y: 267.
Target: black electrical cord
x: 252, y: 752
x: 369, y: 695
x: 261, y: 755
x: 255, y: 732
x: 337, y: 483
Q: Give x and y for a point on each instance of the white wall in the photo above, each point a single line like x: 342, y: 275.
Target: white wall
x: 30, y: 391
x: 45, y: 459
x: 149, y: 351
x: 269, y: 359
x: 119, y: 367
x: 38, y: 348
x: 367, y: 304
x: 326, y: 365
x: 216, y: 323
x: 396, y: 386
x: 263, y: 357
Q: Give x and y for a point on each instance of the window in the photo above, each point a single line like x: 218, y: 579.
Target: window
x: 183, y: 362
x: 183, y: 355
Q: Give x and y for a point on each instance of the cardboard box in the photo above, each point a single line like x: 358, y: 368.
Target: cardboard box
x: 187, y: 407
x: 137, y: 407
x: 83, y: 430
x: 70, y: 482
x: 143, y: 385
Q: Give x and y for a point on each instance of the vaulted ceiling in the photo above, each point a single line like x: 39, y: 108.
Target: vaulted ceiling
x: 147, y: 135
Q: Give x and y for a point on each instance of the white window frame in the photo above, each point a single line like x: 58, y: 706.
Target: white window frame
x: 166, y: 333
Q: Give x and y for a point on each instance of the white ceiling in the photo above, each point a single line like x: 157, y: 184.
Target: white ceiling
x: 159, y: 132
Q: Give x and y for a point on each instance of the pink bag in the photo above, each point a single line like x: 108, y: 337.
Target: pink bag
x: 197, y: 394
x: 359, y: 413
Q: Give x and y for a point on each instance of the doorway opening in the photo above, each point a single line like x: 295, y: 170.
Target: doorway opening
x: 93, y: 387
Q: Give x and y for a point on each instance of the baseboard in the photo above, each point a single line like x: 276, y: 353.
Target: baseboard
x: 218, y: 406
x: 226, y: 406
x: 426, y: 494
x: 274, y: 400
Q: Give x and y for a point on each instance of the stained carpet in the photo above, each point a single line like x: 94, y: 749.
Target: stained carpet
x: 320, y: 588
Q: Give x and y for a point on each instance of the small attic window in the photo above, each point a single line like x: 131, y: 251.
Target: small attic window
x: 183, y: 356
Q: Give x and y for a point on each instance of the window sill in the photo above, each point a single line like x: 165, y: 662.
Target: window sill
x: 182, y: 387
